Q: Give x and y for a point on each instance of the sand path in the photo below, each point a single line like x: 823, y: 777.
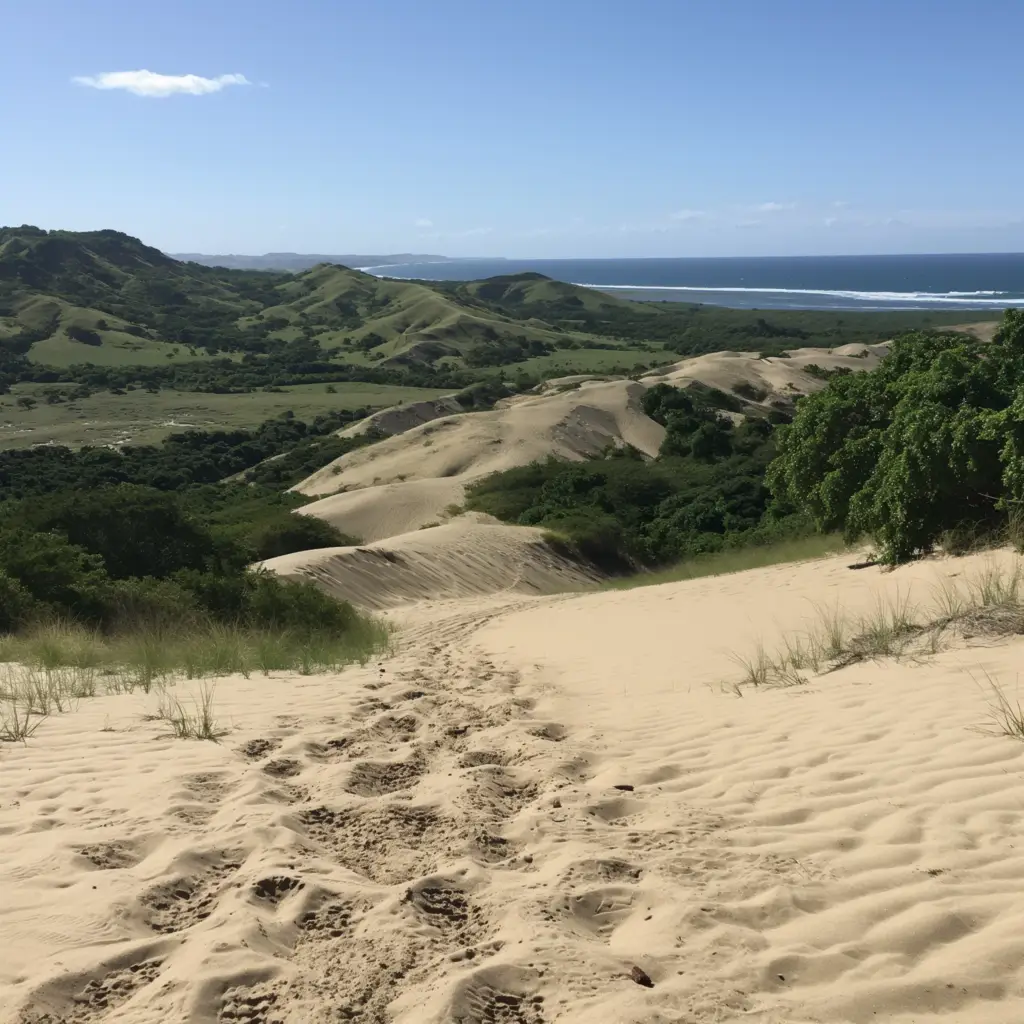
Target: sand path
x: 533, y: 797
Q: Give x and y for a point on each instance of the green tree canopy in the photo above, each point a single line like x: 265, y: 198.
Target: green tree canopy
x: 931, y: 441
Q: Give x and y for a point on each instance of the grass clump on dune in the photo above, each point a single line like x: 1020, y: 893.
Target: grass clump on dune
x: 48, y: 668
x: 145, y: 655
x: 988, y: 605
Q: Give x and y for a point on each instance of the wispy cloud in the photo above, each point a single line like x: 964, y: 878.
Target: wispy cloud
x: 423, y: 222
x: 685, y: 215
x: 149, y: 83
x: 467, y: 233
x: 774, y: 207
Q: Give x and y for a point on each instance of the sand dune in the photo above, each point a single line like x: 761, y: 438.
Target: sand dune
x: 532, y: 798
x: 397, y: 419
x: 417, y: 475
x: 472, y: 556
x: 776, y: 376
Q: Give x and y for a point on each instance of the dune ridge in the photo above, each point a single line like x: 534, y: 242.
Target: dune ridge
x: 472, y: 556
x: 411, y: 479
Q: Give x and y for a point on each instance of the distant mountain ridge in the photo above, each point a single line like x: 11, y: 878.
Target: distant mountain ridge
x: 297, y: 262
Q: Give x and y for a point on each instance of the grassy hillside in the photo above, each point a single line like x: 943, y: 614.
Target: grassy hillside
x: 401, y: 322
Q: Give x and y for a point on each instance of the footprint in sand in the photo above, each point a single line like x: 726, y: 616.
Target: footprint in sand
x: 184, y: 902
x: 206, y: 786
x: 283, y: 768
x: 552, y: 731
x: 274, y: 889
x: 443, y: 905
x: 387, y: 844
x: 602, y: 870
x: 498, y: 995
x: 112, y: 856
x: 616, y: 810
x: 100, y: 995
x: 336, y: 749
x: 328, y: 918
x: 377, y: 778
x: 492, y: 849
x: 249, y: 1004
x: 395, y: 729
x: 501, y: 794
x: 597, y: 912
x: 476, y: 758
x: 255, y: 749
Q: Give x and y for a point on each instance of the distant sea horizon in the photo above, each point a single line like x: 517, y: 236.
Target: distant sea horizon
x: 970, y: 282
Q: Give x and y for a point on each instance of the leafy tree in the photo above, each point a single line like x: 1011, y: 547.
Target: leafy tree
x: 297, y: 533
x: 50, y: 573
x: 84, y: 335
x: 929, y: 442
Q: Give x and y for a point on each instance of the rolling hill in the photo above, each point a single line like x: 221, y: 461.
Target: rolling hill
x: 294, y: 262
x: 103, y: 309
x: 105, y: 298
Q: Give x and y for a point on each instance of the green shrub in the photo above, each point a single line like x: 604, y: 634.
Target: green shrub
x: 297, y: 533
x: 17, y: 605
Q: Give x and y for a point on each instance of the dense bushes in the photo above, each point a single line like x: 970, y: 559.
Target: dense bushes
x: 185, y: 459
x: 930, y: 443
x: 704, y: 492
x: 127, y: 553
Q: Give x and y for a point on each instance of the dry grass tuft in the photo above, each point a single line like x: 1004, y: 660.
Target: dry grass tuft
x: 986, y: 606
x: 193, y: 721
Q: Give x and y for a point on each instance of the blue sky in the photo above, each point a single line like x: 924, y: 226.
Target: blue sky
x: 557, y: 128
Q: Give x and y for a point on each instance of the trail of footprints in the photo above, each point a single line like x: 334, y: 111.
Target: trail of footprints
x: 379, y: 832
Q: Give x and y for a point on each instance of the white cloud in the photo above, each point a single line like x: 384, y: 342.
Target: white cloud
x: 423, y: 222
x: 775, y: 207
x: 149, y: 83
x: 684, y: 215
x: 829, y: 221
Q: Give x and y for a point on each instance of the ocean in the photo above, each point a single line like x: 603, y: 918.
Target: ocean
x: 969, y: 282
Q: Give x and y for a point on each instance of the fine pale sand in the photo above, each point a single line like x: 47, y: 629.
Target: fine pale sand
x: 533, y: 797
x: 469, y: 557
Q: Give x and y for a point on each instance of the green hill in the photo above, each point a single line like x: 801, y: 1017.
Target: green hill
x: 530, y: 291
x: 95, y: 287
x: 105, y: 299
x: 401, y: 322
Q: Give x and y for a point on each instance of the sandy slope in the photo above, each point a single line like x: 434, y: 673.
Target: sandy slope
x: 532, y: 797
x: 777, y: 376
x: 417, y: 475
x: 409, y: 480
x: 472, y: 556
x: 396, y: 419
